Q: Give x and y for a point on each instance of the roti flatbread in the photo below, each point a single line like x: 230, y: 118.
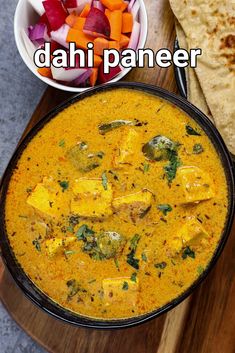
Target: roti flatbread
x: 210, y: 25
x: 194, y: 91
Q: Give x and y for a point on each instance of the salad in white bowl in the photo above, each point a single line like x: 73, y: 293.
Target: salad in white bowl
x: 108, y: 24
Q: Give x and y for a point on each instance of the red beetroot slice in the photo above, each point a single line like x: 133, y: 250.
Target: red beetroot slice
x: 103, y: 78
x: 70, y: 4
x: 97, y: 22
x: 43, y: 19
x: 56, y: 13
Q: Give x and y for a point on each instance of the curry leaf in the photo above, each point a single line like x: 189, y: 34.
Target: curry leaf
x: 106, y: 127
x: 191, y: 131
x: 131, y: 260
x: 73, y: 287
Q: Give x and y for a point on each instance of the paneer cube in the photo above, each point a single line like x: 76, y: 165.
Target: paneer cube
x: 127, y: 147
x: 55, y: 245
x: 120, y: 290
x: 48, y: 198
x: 91, y: 199
x: 196, y: 183
x: 133, y: 205
x: 191, y: 233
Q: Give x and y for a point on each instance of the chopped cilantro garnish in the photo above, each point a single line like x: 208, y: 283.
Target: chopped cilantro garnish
x: 146, y: 167
x: 197, y: 148
x: 125, y: 286
x: 64, y: 185
x: 165, y: 208
x: 133, y: 276
x: 104, y: 181
x: 144, y: 257
x: 161, y: 265
x: 188, y: 253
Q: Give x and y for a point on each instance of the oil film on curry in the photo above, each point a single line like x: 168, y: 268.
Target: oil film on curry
x: 117, y: 204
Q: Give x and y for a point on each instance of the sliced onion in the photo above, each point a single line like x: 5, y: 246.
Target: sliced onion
x: 56, y: 13
x: 29, y: 45
x: 60, y: 74
x: 131, y: 3
x: 135, y: 10
x: 82, y: 78
x: 97, y: 22
x: 134, y: 39
x: 60, y: 35
x: 98, y: 4
x: 38, y: 33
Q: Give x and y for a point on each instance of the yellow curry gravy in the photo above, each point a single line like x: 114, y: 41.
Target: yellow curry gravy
x: 116, y: 205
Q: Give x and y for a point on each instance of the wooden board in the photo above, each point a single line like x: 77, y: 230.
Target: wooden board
x: 204, y: 323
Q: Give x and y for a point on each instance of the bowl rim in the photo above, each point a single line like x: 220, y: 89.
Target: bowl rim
x: 35, y: 294
x: 53, y: 83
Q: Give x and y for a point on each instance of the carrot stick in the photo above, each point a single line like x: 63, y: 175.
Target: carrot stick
x: 116, y: 24
x: 99, y: 45
x: 79, y: 23
x: 70, y: 20
x: 113, y: 44
x: 81, y: 39
x: 124, y: 41
x: 124, y: 6
x: 85, y: 10
x: 107, y: 13
x: 45, y: 71
x: 127, y: 22
x: 112, y: 4
x: 93, y: 77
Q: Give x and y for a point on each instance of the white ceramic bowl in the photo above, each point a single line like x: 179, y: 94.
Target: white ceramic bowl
x: 25, y: 15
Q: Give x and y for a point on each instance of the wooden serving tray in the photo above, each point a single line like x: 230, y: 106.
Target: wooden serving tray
x: 203, y: 323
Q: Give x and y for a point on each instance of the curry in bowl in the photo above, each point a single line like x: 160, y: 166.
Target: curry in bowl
x: 116, y: 205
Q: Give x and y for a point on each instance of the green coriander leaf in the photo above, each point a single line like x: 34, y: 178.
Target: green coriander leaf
x: 165, y: 208
x: 200, y: 269
x: 104, y: 181
x: 161, y: 265
x: 64, y: 185
x: 146, y: 167
x: 144, y: 257
x: 188, y: 253
x: 133, y: 276
x: 62, y: 143
x: 197, y: 148
x: 125, y: 286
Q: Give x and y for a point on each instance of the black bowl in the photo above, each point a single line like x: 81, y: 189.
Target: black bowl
x: 43, y: 301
